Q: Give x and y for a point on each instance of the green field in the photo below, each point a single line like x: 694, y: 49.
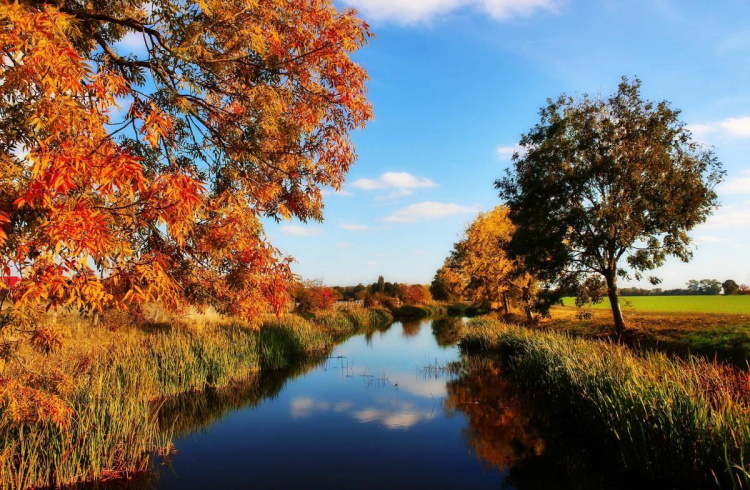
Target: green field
x: 683, y: 304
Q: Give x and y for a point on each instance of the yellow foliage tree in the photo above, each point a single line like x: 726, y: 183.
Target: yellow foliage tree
x: 481, y: 268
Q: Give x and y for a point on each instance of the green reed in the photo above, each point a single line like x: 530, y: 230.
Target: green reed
x: 663, y: 417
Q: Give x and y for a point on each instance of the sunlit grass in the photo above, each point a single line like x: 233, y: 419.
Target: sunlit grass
x: 734, y: 304
x: 662, y: 416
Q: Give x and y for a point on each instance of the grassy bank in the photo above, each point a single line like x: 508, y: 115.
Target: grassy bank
x: 724, y: 336
x: 738, y: 305
x: 681, y: 421
x: 107, y: 425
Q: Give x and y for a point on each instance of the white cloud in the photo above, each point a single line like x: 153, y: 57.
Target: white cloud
x: 343, y: 245
x: 729, y: 217
x: 353, y: 227
x: 738, y: 127
x: 707, y: 239
x: 293, y: 230
x: 506, y: 152
x: 736, y: 185
x: 393, y: 418
x: 415, y: 11
x: 428, y: 210
x: 394, y: 180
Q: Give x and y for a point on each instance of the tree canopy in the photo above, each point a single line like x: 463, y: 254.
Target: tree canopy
x: 480, y: 268
x: 143, y: 142
x: 607, y: 188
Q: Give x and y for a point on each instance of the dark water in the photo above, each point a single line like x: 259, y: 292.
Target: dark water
x: 383, y: 411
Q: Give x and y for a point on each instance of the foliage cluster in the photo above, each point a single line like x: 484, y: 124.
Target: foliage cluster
x: 128, y: 179
x: 481, y: 269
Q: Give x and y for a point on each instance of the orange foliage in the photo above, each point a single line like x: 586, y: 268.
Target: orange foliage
x: 416, y: 294
x: 24, y: 405
x: 127, y: 179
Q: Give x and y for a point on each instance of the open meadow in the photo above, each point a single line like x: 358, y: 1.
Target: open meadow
x: 735, y: 304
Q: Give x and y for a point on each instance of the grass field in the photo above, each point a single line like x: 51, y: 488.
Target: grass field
x: 679, y: 304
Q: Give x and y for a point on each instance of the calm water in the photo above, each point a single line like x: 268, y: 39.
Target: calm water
x: 382, y: 411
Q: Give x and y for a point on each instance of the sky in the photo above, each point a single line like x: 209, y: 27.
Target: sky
x: 454, y: 83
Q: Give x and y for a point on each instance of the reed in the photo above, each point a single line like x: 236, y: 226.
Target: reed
x: 662, y: 417
x: 115, y: 391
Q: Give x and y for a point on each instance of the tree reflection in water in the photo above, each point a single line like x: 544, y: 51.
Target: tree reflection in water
x: 411, y: 329
x: 502, y: 429
x: 447, y: 330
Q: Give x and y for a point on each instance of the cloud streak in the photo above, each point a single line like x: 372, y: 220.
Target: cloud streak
x: 418, y: 11
x: 507, y: 152
x: 394, y: 180
x: 293, y: 230
x: 428, y: 210
x: 737, y: 127
x: 353, y: 227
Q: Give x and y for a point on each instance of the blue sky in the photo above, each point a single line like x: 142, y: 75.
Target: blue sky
x: 455, y: 82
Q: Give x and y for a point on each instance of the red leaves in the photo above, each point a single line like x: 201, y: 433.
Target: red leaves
x: 4, y: 221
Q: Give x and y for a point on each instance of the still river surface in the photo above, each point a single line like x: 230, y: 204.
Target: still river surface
x: 384, y: 410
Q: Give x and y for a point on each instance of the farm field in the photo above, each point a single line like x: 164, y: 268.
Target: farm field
x: 679, y: 304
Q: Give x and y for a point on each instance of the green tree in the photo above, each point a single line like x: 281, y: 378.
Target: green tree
x: 730, y: 287
x: 381, y: 284
x: 607, y: 187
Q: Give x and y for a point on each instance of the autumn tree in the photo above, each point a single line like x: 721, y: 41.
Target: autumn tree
x: 446, y: 285
x: 134, y: 175
x: 480, y: 263
x: 380, y: 287
x: 416, y: 294
x: 313, y: 295
x: 609, y: 188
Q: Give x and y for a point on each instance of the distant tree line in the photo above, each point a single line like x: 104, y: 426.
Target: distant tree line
x: 313, y: 295
x: 703, y: 287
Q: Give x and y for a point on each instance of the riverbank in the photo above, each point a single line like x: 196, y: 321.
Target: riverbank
x: 661, y: 418
x: 87, y: 412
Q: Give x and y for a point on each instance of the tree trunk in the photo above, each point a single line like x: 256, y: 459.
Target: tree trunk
x: 614, y: 302
x: 526, y: 297
x: 506, y: 308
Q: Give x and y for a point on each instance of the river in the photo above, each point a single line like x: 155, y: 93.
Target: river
x: 387, y: 409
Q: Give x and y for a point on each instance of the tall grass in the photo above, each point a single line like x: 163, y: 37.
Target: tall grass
x: 115, y: 427
x: 661, y: 416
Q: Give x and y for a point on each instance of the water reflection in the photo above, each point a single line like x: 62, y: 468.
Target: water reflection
x: 378, y: 400
x: 197, y: 411
x: 447, y: 331
x: 502, y: 428
x: 412, y: 328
